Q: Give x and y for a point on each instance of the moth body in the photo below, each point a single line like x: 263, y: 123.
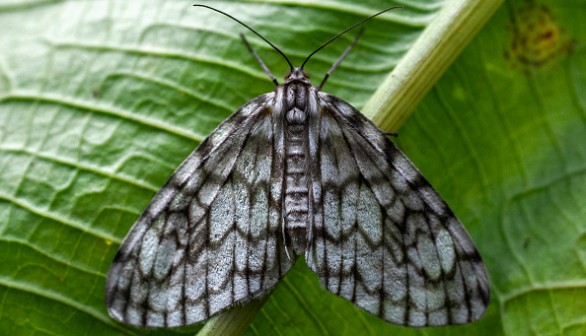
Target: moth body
x: 297, y: 114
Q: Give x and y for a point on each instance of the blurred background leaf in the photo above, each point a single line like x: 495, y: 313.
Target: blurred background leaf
x: 100, y: 101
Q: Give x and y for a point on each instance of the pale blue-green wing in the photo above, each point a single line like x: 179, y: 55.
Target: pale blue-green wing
x: 211, y: 237
x: 382, y: 237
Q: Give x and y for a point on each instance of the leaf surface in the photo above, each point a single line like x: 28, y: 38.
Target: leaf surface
x: 101, y: 101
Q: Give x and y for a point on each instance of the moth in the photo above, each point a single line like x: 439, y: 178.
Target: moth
x: 297, y: 172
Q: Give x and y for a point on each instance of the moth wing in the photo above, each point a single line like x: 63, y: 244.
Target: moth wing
x: 210, y: 238
x: 382, y: 237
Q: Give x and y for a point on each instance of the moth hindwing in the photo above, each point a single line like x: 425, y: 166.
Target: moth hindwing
x: 297, y: 172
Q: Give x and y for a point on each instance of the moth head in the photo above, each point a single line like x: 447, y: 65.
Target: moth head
x: 297, y: 74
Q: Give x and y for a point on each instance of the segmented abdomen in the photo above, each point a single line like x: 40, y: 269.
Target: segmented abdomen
x: 297, y: 173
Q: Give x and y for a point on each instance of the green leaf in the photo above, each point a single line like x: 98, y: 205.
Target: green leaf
x: 100, y: 101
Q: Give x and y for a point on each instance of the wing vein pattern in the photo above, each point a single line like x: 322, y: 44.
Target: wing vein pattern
x: 203, y: 243
x: 387, y: 241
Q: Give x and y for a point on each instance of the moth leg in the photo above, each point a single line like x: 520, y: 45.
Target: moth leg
x: 259, y: 60
x: 391, y: 134
x: 340, y: 59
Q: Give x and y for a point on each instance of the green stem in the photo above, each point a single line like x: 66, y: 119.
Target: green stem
x: 433, y: 52
x: 234, y: 321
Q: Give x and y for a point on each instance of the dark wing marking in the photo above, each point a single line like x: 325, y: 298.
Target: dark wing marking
x: 211, y: 237
x: 382, y: 237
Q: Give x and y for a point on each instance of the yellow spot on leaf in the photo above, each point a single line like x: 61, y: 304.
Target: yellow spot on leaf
x: 537, y: 39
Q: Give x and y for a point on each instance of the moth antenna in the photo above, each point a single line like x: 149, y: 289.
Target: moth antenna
x: 252, y: 30
x: 340, y: 59
x: 335, y: 37
x: 259, y: 60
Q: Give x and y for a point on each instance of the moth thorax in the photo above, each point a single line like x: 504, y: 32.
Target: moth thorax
x: 296, y: 95
x: 296, y: 116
